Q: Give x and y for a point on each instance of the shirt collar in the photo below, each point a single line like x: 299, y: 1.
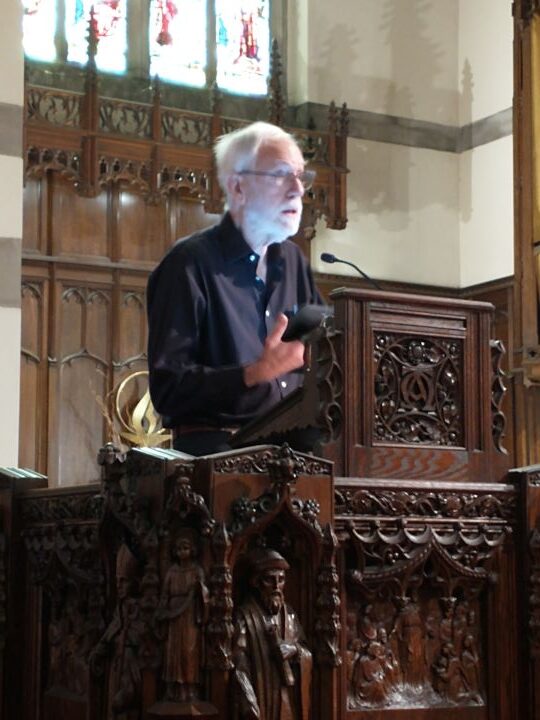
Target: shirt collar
x: 234, y: 245
x: 232, y: 241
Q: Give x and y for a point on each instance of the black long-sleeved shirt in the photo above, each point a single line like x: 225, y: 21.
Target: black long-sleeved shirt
x: 209, y: 315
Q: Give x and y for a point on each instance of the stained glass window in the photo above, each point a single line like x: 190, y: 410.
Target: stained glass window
x: 110, y: 17
x: 39, y: 26
x: 178, y: 32
x: 243, y: 42
x: 177, y: 41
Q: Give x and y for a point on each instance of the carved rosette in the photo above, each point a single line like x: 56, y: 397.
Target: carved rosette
x: 327, y: 623
x: 220, y: 629
x: 498, y: 389
x: 418, y: 390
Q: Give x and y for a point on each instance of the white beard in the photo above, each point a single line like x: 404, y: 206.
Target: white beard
x: 261, y: 231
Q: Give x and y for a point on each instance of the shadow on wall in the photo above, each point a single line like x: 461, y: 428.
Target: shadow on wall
x: 465, y: 159
x: 385, y: 180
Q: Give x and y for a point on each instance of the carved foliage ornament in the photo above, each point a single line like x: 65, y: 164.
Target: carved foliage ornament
x: 125, y: 118
x: 498, y: 389
x: 409, y: 503
x: 418, y: 390
x: 284, y: 466
x: 327, y: 622
x: 389, y: 549
x: 53, y: 106
x: 258, y: 462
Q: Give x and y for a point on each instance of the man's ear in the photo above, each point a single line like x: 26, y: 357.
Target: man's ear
x: 235, y: 189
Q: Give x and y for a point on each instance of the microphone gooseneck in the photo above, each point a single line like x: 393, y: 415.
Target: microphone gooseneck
x: 330, y: 258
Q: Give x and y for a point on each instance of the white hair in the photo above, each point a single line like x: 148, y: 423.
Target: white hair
x: 238, y: 150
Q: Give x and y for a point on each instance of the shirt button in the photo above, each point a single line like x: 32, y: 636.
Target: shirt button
x: 252, y: 258
x: 283, y: 384
x: 267, y: 313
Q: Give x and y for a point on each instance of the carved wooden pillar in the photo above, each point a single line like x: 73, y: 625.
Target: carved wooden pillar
x: 526, y: 361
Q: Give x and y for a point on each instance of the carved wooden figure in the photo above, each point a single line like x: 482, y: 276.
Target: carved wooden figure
x: 272, y: 675
x: 183, y: 604
x: 121, y: 641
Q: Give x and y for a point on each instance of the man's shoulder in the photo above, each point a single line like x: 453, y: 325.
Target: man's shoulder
x: 189, y: 252
x: 292, y: 252
x: 198, y: 244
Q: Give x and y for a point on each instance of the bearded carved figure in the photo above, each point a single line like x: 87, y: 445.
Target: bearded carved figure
x: 272, y: 675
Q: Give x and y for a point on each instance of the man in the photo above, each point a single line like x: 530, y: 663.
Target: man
x: 217, y: 300
x: 272, y: 665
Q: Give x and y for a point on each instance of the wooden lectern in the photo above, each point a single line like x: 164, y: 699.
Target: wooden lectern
x: 402, y: 386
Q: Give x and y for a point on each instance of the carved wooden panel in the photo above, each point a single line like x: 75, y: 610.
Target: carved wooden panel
x: 407, y: 598
x: 34, y: 362
x: 78, y: 225
x: 418, y: 390
x: 79, y: 375
x: 421, y: 377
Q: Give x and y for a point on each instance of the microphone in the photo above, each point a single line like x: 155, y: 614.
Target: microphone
x: 305, y: 320
x: 330, y: 258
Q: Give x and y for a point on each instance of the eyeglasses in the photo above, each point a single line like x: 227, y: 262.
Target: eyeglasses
x: 282, y: 177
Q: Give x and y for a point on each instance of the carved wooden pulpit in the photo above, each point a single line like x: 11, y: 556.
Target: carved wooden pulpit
x: 401, y: 386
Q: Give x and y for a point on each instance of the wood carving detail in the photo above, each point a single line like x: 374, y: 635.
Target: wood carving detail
x: 220, y: 627
x: 44, y: 159
x: 125, y: 118
x: 409, y: 503
x: 178, y: 126
x: 283, y: 467
x: 418, y: 390
x: 53, y: 106
x: 498, y: 390
x: 258, y: 462
x: 413, y: 652
x: 327, y: 623
x: 135, y: 174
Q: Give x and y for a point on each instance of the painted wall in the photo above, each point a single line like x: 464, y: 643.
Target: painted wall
x: 395, y: 56
x: 403, y: 215
x: 486, y: 217
x: 11, y: 183
x: 485, y: 60
x: 416, y: 215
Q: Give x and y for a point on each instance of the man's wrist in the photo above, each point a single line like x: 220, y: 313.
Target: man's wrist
x: 254, y: 374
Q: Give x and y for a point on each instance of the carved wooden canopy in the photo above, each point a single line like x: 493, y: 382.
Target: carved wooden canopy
x: 154, y: 149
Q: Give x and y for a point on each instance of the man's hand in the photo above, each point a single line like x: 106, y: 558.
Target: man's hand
x: 278, y: 357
